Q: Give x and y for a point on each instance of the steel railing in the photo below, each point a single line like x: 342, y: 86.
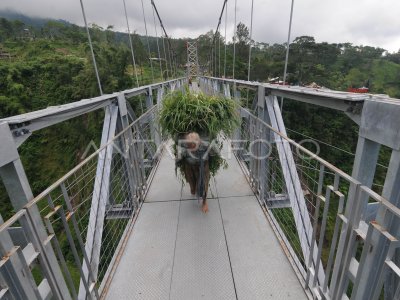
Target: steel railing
x: 66, y: 207
x: 325, y: 219
x: 341, y: 236
x: 318, y: 212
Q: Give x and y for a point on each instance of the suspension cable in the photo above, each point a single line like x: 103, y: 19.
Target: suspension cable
x: 211, y: 60
x: 158, y: 47
x: 215, y: 60
x: 148, y: 43
x: 165, y: 56
x: 213, y: 44
x: 251, y: 41
x: 226, y: 21
x: 91, y: 49
x: 234, y: 45
x: 219, y: 55
x: 287, y: 48
x: 171, y: 49
x: 170, y: 60
x: 130, y: 42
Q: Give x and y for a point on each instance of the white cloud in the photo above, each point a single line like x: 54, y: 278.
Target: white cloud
x: 367, y: 22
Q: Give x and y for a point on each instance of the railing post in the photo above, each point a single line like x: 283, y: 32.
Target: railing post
x: 374, y: 131
x: 228, y: 90
x: 100, y: 197
x: 265, y: 138
x: 129, y: 155
x: 236, y: 96
x: 363, y: 170
x: 209, y: 86
x: 293, y: 185
x: 160, y: 97
x: 20, y: 193
x: 216, y: 87
x: 14, y: 273
x: 381, y: 241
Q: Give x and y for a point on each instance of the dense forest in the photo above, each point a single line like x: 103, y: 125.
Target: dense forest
x: 47, y: 63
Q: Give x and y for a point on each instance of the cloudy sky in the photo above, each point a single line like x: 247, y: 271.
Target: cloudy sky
x: 362, y: 22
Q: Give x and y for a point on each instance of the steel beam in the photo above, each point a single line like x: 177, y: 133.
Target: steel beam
x: 300, y: 212
x: 99, y: 198
x: 265, y: 134
x: 380, y: 122
x: 22, y: 126
x: 349, y: 103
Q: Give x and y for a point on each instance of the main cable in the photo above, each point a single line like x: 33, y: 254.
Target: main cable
x: 171, y: 49
x: 213, y: 43
x: 219, y: 54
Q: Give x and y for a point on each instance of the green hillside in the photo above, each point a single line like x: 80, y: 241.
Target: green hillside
x: 50, y: 64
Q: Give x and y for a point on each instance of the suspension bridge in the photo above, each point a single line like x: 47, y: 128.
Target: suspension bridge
x: 128, y: 228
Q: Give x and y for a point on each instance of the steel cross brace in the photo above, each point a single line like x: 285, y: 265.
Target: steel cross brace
x: 293, y: 185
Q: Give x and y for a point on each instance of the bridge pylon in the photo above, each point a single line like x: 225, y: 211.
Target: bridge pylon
x: 192, y: 59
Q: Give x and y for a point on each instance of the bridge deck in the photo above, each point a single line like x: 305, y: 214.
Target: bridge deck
x: 177, y: 252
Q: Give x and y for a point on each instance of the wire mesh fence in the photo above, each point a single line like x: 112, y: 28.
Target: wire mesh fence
x: 317, y: 210
x: 88, y: 212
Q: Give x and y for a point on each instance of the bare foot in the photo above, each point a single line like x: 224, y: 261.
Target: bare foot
x: 204, y: 207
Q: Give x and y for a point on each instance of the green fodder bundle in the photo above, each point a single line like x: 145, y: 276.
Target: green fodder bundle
x: 184, y: 112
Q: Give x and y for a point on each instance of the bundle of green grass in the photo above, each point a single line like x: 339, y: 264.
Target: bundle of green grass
x: 184, y: 112
x: 209, y: 116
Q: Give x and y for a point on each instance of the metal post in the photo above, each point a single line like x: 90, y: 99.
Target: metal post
x: 100, y: 197
x: 20, y: 193
x: 369, y: 283
x: 236, y: 96
x: 128, y: 151
x: 265, y: 135
x: 149, y: 105
x: 293, y: 185
x: 363, y: 170
x: 15, y: 274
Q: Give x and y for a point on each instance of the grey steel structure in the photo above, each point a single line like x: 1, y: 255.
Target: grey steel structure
x: 95, y: 207
x: 109, y: 185
x: 204, y: 256
x: 192, y: 59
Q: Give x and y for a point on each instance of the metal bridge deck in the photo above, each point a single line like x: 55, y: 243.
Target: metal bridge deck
x: 177, y: 252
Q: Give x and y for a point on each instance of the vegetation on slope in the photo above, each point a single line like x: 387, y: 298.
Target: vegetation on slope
x: 51, y: 65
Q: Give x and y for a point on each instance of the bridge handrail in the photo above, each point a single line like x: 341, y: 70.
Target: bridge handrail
x: 326, y: 188
x: 90, y: 157
x: 339, y: 234
x: 87, y: 213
